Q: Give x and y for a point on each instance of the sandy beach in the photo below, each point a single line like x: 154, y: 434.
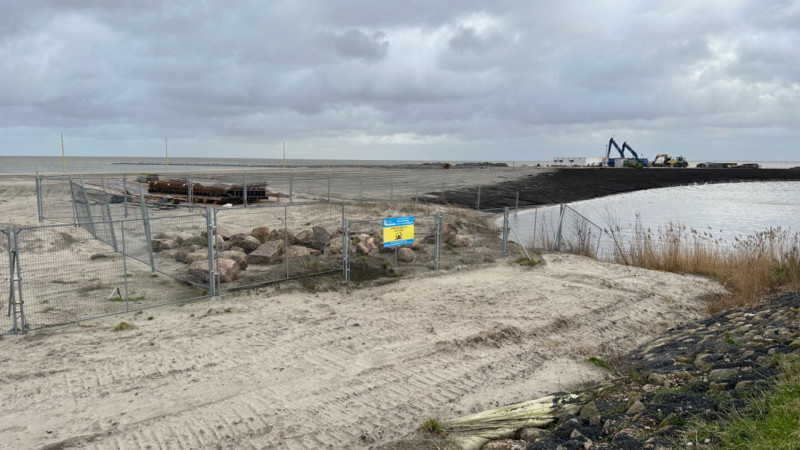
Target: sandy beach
x: 287, y: 367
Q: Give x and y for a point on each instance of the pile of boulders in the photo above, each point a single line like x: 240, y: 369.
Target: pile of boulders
x: 262, y: 246
x: 238, y: 251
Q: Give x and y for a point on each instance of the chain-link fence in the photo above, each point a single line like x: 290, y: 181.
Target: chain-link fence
x: 265, y: 244
x: 56, y: 195
x: 369, y: 257
x: 7, y: 262
x: 471, y: 237
x: 556, y: 228
x: 124, y: 249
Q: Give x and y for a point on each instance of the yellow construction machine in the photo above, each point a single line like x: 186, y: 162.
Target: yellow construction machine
x: 664, y: 160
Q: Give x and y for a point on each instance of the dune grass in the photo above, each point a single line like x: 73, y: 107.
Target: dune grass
x: 750, y: 267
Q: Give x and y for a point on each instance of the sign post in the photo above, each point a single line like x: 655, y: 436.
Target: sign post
x: 398, y: 231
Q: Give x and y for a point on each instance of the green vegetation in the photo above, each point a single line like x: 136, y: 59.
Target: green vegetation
x: 728, y: 338
x: 769, y: 422
x: 434, y: 427
x: 122, y: 326
x: 599, y: 363
x: 527, y: 262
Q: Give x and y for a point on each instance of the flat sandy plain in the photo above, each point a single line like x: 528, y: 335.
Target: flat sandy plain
x: 282, y: 367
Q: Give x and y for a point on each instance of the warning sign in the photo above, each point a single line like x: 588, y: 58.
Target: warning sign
x: 398, y: 231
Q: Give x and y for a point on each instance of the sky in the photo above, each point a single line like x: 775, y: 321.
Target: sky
x: 497, y: 80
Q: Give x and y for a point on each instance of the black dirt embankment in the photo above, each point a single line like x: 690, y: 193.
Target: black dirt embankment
x: 573, y: 184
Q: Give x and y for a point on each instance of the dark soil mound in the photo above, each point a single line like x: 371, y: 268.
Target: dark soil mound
x: 569, y: 185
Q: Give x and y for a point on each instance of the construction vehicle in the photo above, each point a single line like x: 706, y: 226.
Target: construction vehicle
x: 636, y: 161
x: 668, y: 161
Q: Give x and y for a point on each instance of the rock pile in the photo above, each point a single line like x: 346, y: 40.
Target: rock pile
x: 705, y: 369
x: 262, y: 246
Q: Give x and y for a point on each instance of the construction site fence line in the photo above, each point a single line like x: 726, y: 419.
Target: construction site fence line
x: 91, y: 268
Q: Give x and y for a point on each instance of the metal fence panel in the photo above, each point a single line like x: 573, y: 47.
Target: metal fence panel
x: 168, y: 246
x: 559, y: 227
x: 67, y: 275
x: 579, y: 235
x: 55, y: 197
x: 278, y: 242
x: 470, y: 237
x: 6, y: 320
x: 369, y: 259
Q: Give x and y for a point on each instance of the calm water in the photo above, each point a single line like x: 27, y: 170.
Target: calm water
x: 724, y: 211
x: 86, y: 165
x: 53, y: 164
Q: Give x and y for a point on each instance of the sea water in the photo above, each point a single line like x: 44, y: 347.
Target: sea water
x: 719, y: 212
x: 94, y: 164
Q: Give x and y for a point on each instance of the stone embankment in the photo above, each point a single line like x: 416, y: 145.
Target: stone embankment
x: 574, y: 184
x: 705, y: 369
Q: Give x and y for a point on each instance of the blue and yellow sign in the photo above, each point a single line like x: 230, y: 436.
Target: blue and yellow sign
x: 398, y: 231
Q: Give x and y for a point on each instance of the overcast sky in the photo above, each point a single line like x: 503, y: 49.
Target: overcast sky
x: 412, y: 79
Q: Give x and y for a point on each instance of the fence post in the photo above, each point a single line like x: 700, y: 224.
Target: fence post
x: 211, y: 237
x: 12, y: 301
x: 444, y: 186
x: 416, y: 193
x: 39, y: 196
x: 505, y: 232
x: 437, y: 247
x: 329, y: 188
x: 125, y: 193
x: 146, y: 223
x: 190, y: 191
x: 478, y: 200
x: 124, y: 263
x: 218, y: 280
x: 244, y: 189
x: 18, y: 279
x: 110, y: 219
x: 361, y: 188
x: 88, y: 208
x: 557, y: 243
x: 291, y: 187
x: 74, y: 203
x: 516, y: 202
x: 286, y: 238
x: 343, y: 224
x: 346, y: 251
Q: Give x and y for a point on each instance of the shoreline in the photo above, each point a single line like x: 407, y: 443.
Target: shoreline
x: 568, y: 185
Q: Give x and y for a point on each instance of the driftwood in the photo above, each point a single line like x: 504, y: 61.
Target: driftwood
x: 472, y: 432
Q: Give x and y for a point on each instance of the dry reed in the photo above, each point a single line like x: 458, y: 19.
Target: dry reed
x: 750, y: 268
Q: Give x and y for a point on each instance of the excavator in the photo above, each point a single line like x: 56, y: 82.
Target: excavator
x: 667, y: 161
x: 635, y: 162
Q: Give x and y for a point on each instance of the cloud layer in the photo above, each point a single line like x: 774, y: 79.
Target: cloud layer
x: 503, y: 80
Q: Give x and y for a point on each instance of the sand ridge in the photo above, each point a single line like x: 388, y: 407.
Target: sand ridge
x: 286, y: 368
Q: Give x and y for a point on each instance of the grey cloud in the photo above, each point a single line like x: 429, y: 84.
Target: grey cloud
x: 455, y: 75
x: 357, y: 44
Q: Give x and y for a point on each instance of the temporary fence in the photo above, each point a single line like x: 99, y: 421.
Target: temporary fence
x: 121, y: 253
x: 556, y: 228
x: 368, y: 257
x: 123, y: 192
x: 273, y: 243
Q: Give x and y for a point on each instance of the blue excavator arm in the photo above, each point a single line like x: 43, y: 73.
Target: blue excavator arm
x: 619, y: 150
x: 624, y: 146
